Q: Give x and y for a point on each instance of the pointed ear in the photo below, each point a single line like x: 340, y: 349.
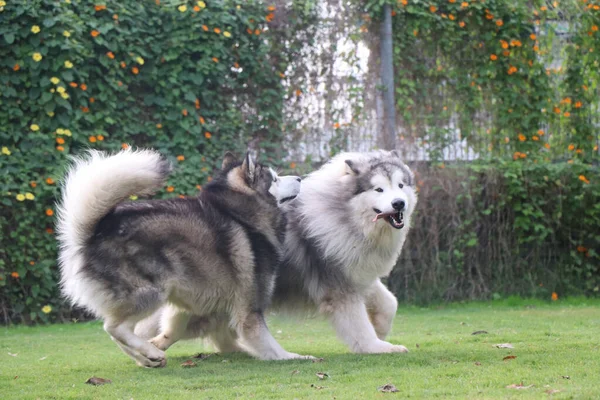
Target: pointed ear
x: 249, y: 167
x: 228, y: 160
x: 352, y: 167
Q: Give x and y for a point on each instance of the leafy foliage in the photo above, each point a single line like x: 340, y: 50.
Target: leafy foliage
x: 189, y: 78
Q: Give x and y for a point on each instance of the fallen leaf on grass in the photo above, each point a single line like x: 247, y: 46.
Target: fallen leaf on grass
x: 13, y: 355
x: 519, y: 386
x: 388, y: 388
x: 477, y: 363
x: 203, y: 356
x: 504, y: 346
x: 188, y: 364
x: 552, y: 391
x: 322, y: 375
x: 509, y: 358
x: 318, y: 360
x: 43, y: 358
x: 294, y: 372
x: 566, y: 377
x: 418, y: 345
x: 317, y: 387
x: 479, y: 333
x: 97, y: 381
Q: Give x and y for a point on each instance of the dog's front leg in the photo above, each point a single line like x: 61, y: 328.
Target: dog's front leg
x: 349, y: 317
x: 173, y: 326
x: 381, y: 307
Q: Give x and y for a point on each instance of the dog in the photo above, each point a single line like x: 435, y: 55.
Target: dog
x: 213, y: 255
x: 344, y: 232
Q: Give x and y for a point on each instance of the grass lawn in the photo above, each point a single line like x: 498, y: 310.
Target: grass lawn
x: 557, y: 348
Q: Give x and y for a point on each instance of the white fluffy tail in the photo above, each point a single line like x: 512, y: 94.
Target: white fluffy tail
x: 96, y: 183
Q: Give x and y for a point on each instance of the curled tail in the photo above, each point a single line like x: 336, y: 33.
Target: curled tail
x: 94, y: 185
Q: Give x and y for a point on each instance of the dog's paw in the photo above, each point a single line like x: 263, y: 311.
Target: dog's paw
x: 380, y: 347
x: 161, y: 342
x: 154, y: 362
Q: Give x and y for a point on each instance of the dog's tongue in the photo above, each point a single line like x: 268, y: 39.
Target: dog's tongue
x: 379, y: 216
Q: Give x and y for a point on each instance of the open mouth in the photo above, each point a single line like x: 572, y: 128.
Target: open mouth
x: 396, y: 219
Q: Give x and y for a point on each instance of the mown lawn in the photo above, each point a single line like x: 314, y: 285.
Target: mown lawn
x: 557, y: 348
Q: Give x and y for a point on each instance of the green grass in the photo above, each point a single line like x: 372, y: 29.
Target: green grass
x: 551, y: 341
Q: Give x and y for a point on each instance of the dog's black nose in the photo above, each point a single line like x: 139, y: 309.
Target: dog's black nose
x: 398, y: 204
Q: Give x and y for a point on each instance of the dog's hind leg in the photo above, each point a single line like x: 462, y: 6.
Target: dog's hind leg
x: 144, y: 353
x: 349, y: 317
x: 257, y: 338
x: 174, y: 322
x: 223, y: 337
x: 381, y: 307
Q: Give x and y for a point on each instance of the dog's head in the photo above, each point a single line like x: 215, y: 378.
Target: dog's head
x: 384, y: 187
x: 249, y: 176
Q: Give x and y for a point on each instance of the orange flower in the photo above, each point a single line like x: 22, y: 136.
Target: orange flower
x: 92, y: 100
x: 451, y: 17
x: 504, y: 44
x: 92, y: 139
x: 170, y: 189
x: 493, y: 57
x: 533, y: 36
x: 271, y: 8
x: 506, y: 53
x: 184, y: 112
x: 217, y: 31
x: 464, y: 4
x: 201, y: 120
x: 85, y: 109
x: 543, y: 8
x: 516, y: 155
x: 547, y: 145
x: 583, y: 179
x: 452, y: 1
x: 180, y: 158
x: 16, y: 67
x: 32, y: 184
x: 236, y: 65
x: 499, y: 22
x: 100, y: 8
x: 489, y: 16
x: 123, y: 65
x: 336, y: 125
x: 594, y: 28
x: 556, y: 110
x: 535, y: 138
x: 50, y: 181
x: 100, y: 137
x: 73, y: 84
x: 512, y: 70
x: 522, y: 137
x: 571, y: 147
x: 270, y: 17
x: 523, y: 155
x: 135, y: 70
x: 120, y: 83
x: 205, y: 28
x: 554, y: 294
x: 49, y: 212
x: 281, y: 74
x: 124, y: 146
x: 207, y: 135
x: 215, y: 59
x: 14, y: 275
x: 196, y: 9
x: 249, y: 31
x: 567, y: 114
x: 578, y: 104
x: 298, y: 92
x: 94, y: 33
x: 461, y: 24
x: 181, y: 196
x: 578, y: 151
x: 197, y: 104
x: 432, y: 9
x: 292, y: 165
x: 540, y: 132
x: 60, y: 140
x: 536, y: 48
x: 83, y: 87
x: 257, y: 32
x: 115, y: 16
x: 158, y: 126
x: 209, y: 179
x: 49, y: 231
x: 198, y: 187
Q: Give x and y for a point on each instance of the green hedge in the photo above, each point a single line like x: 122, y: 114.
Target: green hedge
x: 492, y: 228
x: 189, y: 78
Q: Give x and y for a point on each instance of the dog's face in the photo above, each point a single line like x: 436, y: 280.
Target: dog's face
x: 384, y: 188
x: 251, y: 177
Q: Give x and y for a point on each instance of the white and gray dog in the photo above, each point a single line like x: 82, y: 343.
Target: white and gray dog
x: 344, y: 232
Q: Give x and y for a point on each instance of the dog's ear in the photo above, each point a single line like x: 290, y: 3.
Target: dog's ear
x: 249, y: 167
x: 228, y: 160
x: 352, y: 167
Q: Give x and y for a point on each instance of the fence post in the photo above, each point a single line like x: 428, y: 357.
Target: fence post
x: 387, y: 80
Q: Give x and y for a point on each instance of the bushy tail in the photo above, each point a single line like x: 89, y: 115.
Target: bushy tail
x: 97, y: 182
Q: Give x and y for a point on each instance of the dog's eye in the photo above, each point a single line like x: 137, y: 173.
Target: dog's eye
x: 379, y: 190
x: 400, y: 185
